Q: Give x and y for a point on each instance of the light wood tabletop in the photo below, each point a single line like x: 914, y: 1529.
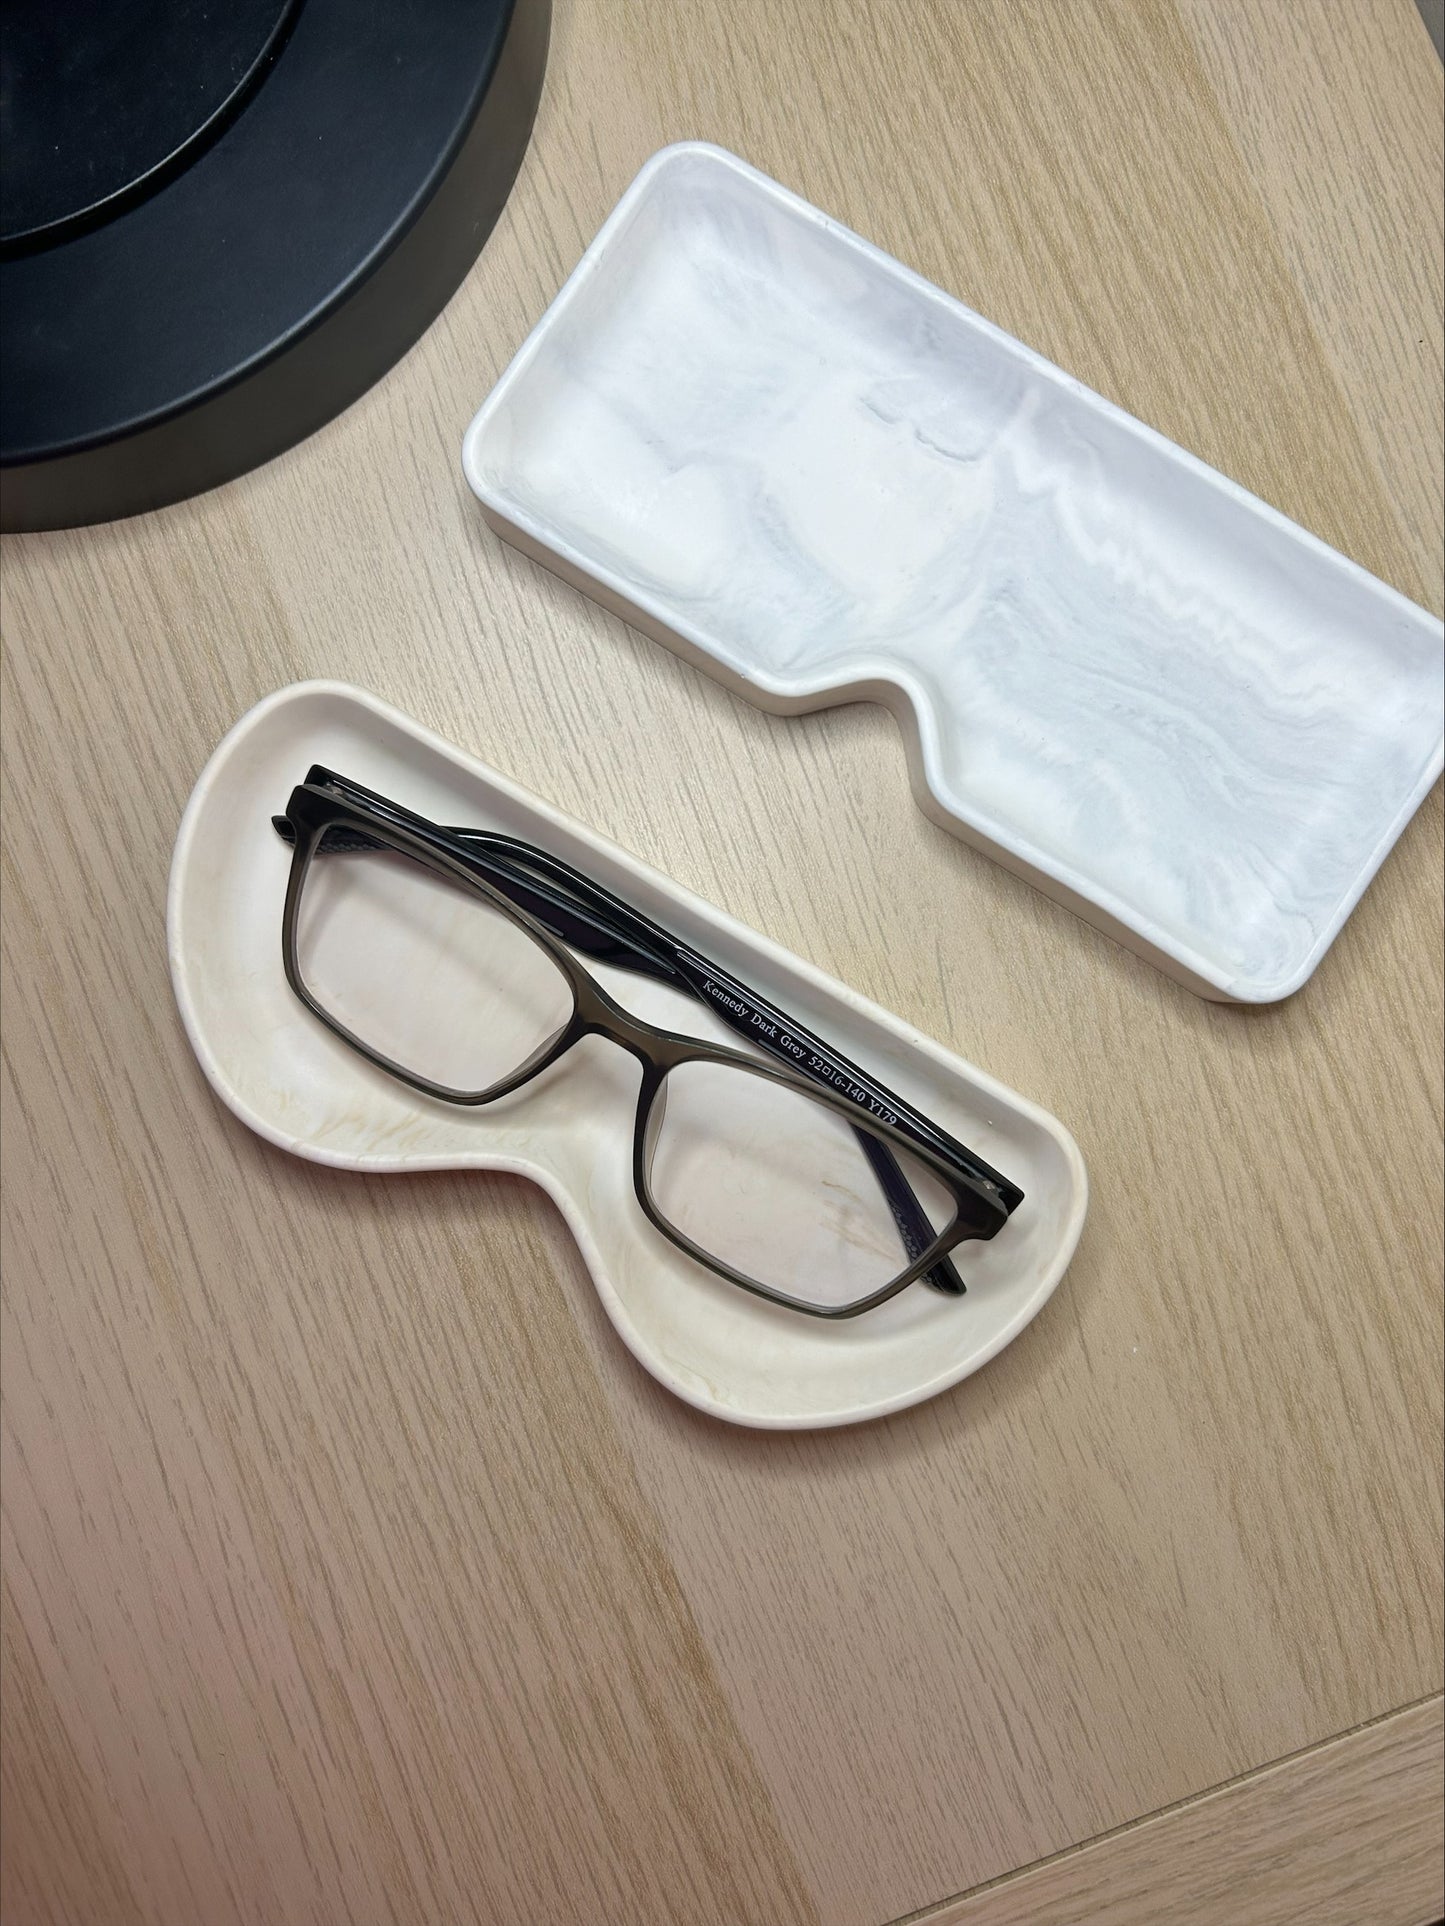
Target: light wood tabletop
x: 353, y: 1570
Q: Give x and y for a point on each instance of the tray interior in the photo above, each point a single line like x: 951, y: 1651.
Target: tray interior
x: 287, y: 1077
x: 821, y: 475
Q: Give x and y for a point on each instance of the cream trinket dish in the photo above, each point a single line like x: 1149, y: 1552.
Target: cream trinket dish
x: 287, y: 1077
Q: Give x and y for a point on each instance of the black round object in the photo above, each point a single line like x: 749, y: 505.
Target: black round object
x: 98, y: 103
x: 222, y: 223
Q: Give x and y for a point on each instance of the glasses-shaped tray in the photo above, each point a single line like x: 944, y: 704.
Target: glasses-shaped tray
x: 294, y: 1082
x: 822, y: 480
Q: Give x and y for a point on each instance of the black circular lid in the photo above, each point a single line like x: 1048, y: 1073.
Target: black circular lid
x: 221, y: 222
x: 97, y: 103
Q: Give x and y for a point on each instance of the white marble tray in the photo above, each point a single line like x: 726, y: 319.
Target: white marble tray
x: 821, y: 479
x: 290, y: 1079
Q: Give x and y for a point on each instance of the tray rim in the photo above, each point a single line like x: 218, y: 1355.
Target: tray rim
x: 886, y: 679
x: 547, y: 1180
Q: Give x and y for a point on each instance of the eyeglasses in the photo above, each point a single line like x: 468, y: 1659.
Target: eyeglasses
x: 446, y: 958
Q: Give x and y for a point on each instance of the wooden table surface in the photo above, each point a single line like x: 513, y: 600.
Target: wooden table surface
x: 352, y: 1568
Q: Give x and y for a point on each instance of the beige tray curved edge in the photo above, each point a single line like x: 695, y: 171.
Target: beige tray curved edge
x: 285, y: 1077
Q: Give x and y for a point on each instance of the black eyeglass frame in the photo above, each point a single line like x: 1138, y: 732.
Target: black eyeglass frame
x: 612, y: 930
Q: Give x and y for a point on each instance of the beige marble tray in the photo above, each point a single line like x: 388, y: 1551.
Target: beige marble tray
x: 291, y: 1080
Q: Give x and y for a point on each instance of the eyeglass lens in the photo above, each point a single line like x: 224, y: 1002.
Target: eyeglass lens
x: 779, y: 1187
x: 424, y: 970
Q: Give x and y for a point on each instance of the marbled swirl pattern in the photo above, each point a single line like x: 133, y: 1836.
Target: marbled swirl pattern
x: 800, y: 460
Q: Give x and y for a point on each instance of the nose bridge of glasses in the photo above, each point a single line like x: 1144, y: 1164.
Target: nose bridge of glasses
x: 600, y: 1014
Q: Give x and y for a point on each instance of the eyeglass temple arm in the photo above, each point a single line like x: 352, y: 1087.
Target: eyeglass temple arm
x: 546, y: 902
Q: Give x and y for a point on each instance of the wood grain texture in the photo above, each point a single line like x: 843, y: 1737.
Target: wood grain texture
x: 1351, y: 1830
x: 353, y: 1571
